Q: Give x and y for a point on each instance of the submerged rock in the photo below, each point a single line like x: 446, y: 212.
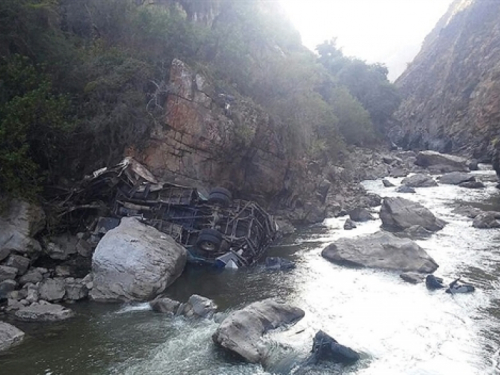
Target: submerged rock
x: 415, y: 232
x: 419, y: 180
x: 349, y: 224
x: 135, y: 262
x: 398, y: 214
x: 44, y: 312
x: 380, y: 250
x: 240, y: 332
x: 432, y: 282
x: 165, y: 305
x: 472, y: 185
x: 278, y: 264
x: 405, y: 189
x: 387, y: 183
x: 326, y: 348
x: 412, y: 277
x: 9, y: 335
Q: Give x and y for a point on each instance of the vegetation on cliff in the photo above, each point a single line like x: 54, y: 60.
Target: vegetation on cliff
x: 83, y: 80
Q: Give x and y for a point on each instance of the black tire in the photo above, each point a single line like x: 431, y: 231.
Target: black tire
x: 209, y: 240
x: 220, y: 196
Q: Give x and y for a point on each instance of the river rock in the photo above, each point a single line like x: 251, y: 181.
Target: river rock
x: 7, y: 273
x: 199, y: 306
x: 412, y: 277
x: 240, y: 332
x: 135, y: 262
x: 32, y: 276
x: 441, y: 162
x: 75, y: 289
x: 419, y: 180
x: 6, y: 287
x: 405, y: 189
x: 469, y: 211
x: 61, y: 247
x: 398, y: 214
x: 486, y: 220
x: 9, y: 336
x: 165, y: 305
x: 387, y: 183
x: 326, y: 348
x: 380, y: 250
x: 455, y: 178
x: 52, y: 289
x: 20, y: 221
x: 19, y: 262
x: 44, y: 312
x: 349, y: 224
x: 472, y: 185
x: 432, y: 282
x: 398, y: 172
x: 360, y: 215
x: 278, y: 264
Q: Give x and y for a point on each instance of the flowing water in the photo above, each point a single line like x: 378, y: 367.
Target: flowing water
x: 397, y: 327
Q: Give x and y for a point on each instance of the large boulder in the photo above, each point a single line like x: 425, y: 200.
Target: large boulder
x: 44, y: 312
x: 240, y: 332
x: 455, y: 178
x: 135, y: 262
x: 380, y: 250
x: 398, y: 214
x: 20, y: 222
x: 441, y: 162
x: 419, y: 180
x: 9, y: 335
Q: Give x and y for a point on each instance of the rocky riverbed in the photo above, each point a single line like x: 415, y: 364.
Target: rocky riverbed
x: 396, y: 327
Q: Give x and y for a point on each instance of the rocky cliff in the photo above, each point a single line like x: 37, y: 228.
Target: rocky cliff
x: 451, y: 91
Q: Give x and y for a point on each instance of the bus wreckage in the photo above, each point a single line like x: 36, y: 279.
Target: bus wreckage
x: 216, y: 230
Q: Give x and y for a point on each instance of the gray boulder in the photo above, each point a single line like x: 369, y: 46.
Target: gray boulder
x: 326, y: 348
x: 398, y: 172
x: 7, y: 273
x: 360, y: 215
x: 199, y: 306
x: 398, y: 214
x: 455, y: 178
x: 441, y: 162
x: 419, y: 180
x: 43, y: 312
x: 472, y: 184
x: 241, y: 331
x: 165, y: 305
x: 32, y: 276
x: 349, y: 224
x: 380, y: 250
x: 76, y: 289
x: 405, y: 189
x: 20, y: 221
x: 61, y: 247
x: 19, y: 262
x: 135, y: 262
x: 387, y: 183
x: 487, y: 220
x: 9, y: 336
x: 52, y: 289
x: 469, y: 211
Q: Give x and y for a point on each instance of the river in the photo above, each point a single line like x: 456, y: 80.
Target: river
x: 398, y: 328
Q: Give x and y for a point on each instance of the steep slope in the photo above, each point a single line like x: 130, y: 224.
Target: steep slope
x: 451, y: 91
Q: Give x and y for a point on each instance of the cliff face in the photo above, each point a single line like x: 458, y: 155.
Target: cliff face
x: 451, y: 91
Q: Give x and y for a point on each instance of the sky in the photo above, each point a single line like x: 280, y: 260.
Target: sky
x: 386, y: 31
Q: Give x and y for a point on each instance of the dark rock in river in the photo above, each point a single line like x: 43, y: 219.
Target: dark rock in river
x: 278, y: 264
x: 240, y: 332
x: 380, y: 250
x: 360, y: 215
x: 455, y: 178
x: 165, y: 305
x: 432, y: 282
x: 405, y: 189
x: 419, y: 180
x: 349, y: 224
x: 135, y: 262
x: 387, y: 183
x: 398, y: 214
x: 472, y: 185
x: 486, y: 220
x: 469, y: 211
x: 412, y: 277
x: 326, y: 348
x: 9, y: 336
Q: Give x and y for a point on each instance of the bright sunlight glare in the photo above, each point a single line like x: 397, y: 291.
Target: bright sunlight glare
x: 386, y: 31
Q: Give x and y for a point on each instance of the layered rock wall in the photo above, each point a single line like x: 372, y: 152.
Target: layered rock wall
x: 451, y: 90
